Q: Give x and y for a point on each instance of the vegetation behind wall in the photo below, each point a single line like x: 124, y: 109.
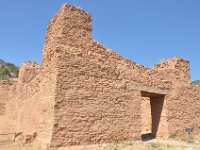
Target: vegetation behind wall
x: 8, y: 70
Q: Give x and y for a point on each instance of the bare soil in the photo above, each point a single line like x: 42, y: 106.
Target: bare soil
x: 170, y: 144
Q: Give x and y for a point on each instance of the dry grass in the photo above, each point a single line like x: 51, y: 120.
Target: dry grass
x: 115, y: 145
x: 18, y: 146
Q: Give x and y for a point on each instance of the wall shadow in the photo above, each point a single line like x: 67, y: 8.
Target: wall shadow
x: 156, y: 105
x: 156, y: 112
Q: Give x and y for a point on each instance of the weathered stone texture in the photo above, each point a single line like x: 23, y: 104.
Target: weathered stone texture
x: 66, y: 27
x: 175, y: 70
x: 35, y: 101
x: 146, y: 115
x: 94, y: 110
x: 102, y: 76
x: 184, y: 110
x: 7, y: 106
x: 85, y: 93
x: 2, y: 109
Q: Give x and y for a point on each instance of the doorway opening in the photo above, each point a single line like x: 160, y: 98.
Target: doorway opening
x: 154, y: 122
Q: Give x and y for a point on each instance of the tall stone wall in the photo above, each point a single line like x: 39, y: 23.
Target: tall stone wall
x: 93, y: 102
x: 92, y: 107
x: 7, y: 107
x: 92, y: 79
x: 175, y: 70
x: 35, y: 101
x: 183, y: 99
x: 183, y: 110
x: 66, y: 27
x: 85, y: 93
x: 69, y: 34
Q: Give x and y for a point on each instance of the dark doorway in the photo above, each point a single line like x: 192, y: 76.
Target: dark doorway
x: 157, y: 117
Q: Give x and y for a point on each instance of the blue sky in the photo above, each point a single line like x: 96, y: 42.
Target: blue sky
x: 144, y: 31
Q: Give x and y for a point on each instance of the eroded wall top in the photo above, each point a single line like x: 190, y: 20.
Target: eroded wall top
x: 68, y: 25
x: 176, y: 70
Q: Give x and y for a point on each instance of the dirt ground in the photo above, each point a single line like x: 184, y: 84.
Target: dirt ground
x: 170, y: 144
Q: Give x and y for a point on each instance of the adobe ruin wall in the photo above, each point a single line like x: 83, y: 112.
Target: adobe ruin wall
x: 7, y: 106
x: 35, y: 101
x: 183, y: 110
x: 85, y: 93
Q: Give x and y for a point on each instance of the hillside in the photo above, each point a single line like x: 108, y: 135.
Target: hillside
x: 197, y: 82
x: 8, y: 70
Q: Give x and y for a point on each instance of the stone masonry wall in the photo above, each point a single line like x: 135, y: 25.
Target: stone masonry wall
x: 69, y: 34
x: 7, y: 107
x: 85, y: 93
x: 91, y: 108
x: 89, y: 73
x: 175, y: 70
x: 146, y: 115
x: 35, y: 102
x: 93, y: 102
x: 183, y: 110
